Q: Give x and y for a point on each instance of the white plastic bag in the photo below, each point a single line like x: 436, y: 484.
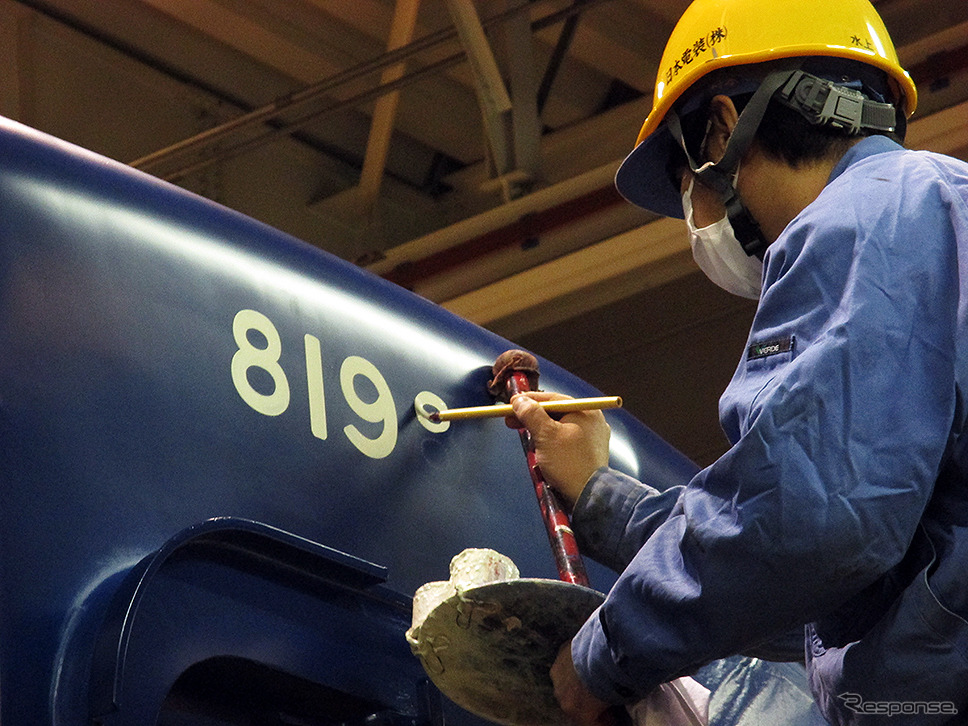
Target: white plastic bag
x: 682, y: 702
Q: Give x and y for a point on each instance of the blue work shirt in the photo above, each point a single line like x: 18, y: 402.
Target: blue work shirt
x: 842, y: 505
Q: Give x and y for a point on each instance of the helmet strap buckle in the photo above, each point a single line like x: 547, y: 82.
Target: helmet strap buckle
x: 825, y: 103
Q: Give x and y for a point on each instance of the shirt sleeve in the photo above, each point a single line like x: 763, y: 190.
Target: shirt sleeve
x: 838, y: 441
x: 615, y: 514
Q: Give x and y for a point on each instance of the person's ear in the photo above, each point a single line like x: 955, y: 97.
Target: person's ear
x: 722, y: 120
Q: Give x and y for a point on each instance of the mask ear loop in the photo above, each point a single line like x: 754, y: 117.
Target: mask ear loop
x: 719, y: 176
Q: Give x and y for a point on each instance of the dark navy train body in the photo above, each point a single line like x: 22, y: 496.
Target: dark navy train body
x: 211, y: 468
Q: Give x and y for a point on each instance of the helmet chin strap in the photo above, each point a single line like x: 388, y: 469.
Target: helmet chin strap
x: 719, y: 176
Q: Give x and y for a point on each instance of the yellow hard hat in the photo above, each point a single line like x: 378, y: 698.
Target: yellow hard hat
x: 714, y: 34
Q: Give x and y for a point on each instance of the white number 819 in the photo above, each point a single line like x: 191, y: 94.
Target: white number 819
x: 249, y: 356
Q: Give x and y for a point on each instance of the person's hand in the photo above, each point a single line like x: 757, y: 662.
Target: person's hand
x: 580, y: 706
x: 567, y: 451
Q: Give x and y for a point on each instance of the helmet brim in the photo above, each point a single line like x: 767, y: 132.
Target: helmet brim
x: 643, y: 177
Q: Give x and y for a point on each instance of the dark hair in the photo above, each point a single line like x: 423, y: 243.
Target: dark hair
x: 784, y: 133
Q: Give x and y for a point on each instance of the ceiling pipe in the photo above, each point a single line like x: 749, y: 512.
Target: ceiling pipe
x: 231, y: 152
x: 557, y: 58
x: 311, y: 93
x: 297, y: 99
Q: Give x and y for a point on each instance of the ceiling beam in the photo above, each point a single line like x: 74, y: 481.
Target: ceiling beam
x: 13, y: 37
x: 385, y: 109
x: 630, y: 262
x: 585, y: 280
x: 492, y: 95
x: 612, y: 42
x: 519, y: 58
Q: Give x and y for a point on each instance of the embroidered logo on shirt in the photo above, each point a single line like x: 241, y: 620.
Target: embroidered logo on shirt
x: 773, y: 347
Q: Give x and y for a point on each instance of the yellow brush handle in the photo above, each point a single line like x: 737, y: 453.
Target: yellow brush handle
x: 504, y: 409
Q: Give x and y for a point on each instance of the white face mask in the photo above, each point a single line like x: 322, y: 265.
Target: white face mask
x: 720, y: 255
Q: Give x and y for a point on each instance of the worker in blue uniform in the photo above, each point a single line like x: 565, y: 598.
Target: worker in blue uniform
x: 840, y: 512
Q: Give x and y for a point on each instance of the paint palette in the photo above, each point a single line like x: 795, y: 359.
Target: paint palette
x: 490, y: 648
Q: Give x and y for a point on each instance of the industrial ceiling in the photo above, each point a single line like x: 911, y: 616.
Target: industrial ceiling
x: 462, y: 148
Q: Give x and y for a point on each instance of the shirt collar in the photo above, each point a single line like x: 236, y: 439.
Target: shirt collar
x: 869, y: 146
